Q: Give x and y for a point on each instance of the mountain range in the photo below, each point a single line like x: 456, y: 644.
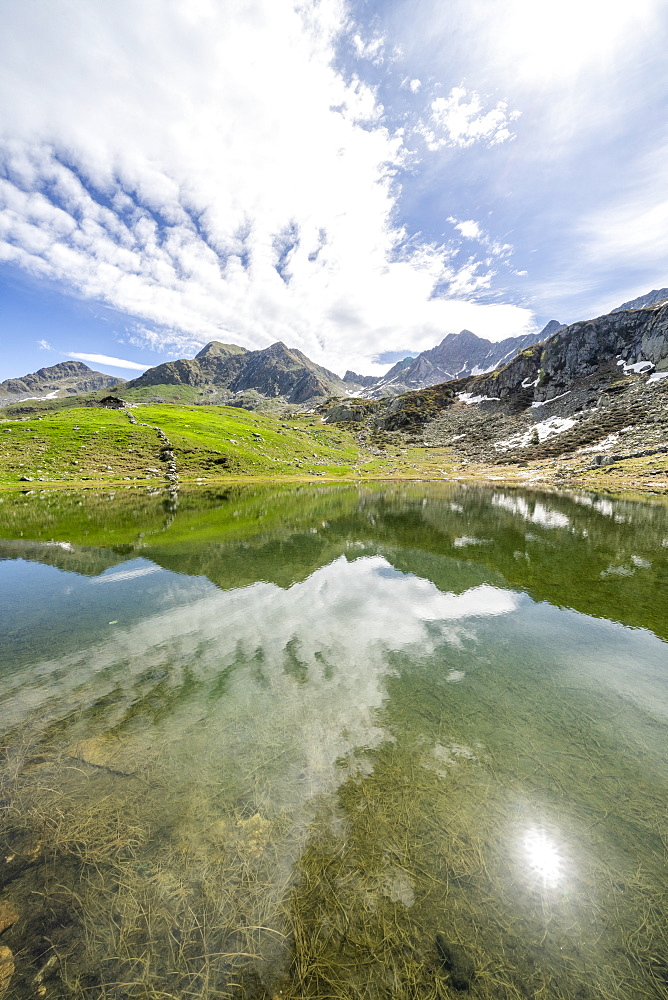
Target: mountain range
x: 275, y: 371
x: 66, y: 378
x: 649, y: 299
x: 280, y: 372
x: 598, y: 385
x: 458, y: 355
x: 228, y: 373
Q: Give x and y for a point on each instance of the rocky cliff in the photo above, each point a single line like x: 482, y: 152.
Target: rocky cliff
x: 599, y: 385
x: 66, y: 378
x: 586, y: 355
x: 457, y: 356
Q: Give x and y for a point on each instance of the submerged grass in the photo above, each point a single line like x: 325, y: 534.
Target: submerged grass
x: 155, y: 856
x: 179, y: 821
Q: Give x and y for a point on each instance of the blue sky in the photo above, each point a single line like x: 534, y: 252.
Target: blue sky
x: 356, y: 179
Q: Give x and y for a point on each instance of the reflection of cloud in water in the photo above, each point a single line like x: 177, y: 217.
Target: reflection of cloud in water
x: 349, y: 613
x: 270, y: 683
x: 259, y: 703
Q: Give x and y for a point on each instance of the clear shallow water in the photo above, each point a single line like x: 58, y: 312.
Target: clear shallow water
x: 335, y: 743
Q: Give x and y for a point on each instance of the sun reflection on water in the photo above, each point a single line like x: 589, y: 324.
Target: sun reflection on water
x: 542, y: 857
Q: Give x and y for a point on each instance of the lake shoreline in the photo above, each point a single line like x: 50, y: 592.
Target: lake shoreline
x: 609, y: 480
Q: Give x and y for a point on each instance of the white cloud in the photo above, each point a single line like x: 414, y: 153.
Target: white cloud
x: 456, y: 121
x: 551, y: 41
x: 103, y: 359
x: 373, y: 49
x: 622, y: 243
x: 469, y: 229
x: 44, y: 345
x: 415, y: 85
x: 207, y: 170
x: 633, y: 230
x: 472, y: 230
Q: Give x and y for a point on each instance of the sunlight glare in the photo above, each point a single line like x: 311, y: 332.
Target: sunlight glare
x: 542, y: 856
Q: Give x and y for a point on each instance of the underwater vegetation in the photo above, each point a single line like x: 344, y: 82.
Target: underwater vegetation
x: 375, y: 767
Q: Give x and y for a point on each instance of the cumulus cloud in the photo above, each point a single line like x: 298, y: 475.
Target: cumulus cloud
x: 460, y: 120
x: 103, y: 359
x: 207, y: 169
x: 44, y: 345
x: 469, y: 229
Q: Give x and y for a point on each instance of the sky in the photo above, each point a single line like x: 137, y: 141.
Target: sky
x: 355, y: 178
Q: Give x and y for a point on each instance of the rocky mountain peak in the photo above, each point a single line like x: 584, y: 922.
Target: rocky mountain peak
x: 649, y: 299
x: 65, y: 378
x: 274, y: 371
x: 216, y: 349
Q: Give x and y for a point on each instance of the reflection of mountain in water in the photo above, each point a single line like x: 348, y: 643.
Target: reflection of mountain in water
x: 62, y: 555
x: 600, y: 556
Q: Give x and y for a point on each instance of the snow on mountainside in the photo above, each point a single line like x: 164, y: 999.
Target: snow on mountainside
x: 458, y: 355
x: 65, y: 379
x: 649, y: 299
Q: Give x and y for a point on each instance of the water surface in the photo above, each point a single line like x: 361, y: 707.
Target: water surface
x: 335, y: 742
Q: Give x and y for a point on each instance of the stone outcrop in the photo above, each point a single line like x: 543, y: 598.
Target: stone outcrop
x: 8, y: 915
x: 6, y: 967
x: 595, y: 352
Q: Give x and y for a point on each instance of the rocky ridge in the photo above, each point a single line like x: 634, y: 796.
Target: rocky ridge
x: 458, y: 355
x: 275, y: 372
x: 66, y: 378
x: 649, y: 299
x: 598, y: 387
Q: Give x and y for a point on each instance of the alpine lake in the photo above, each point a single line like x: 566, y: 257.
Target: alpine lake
x: 391, y: 741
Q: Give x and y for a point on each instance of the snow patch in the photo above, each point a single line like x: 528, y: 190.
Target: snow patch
x: 545, y: 428
x: 656, y: 377
x: 50, y: 395
x: 637, y: 368
x: 483, y: 371
x: 538, y: 515
x: 468, y: 398
x: 553, y: 398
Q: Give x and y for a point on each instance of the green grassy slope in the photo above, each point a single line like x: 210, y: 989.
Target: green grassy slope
x: 217, y: 442
x: 75, y: 444
x: 223, y: 440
